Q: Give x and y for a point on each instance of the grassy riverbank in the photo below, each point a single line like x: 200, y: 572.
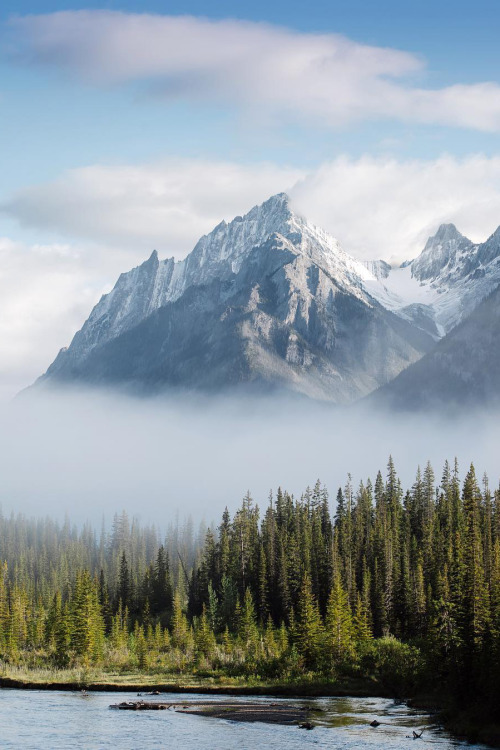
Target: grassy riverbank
x: 100, y: 680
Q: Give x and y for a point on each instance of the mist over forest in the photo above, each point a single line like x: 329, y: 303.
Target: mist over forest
x: 90, y: 454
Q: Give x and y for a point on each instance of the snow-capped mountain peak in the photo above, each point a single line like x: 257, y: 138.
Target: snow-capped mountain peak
x: 446, y: 281
x: 267, y: 297
x: 442, y: 253
x: 445, y: 233
x: 217, y: 255
x: 270, y: 299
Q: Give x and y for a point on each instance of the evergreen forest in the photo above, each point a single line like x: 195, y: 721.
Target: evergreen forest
x: 394, y: 589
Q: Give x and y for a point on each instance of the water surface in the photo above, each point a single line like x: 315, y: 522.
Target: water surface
x: 53, y: 720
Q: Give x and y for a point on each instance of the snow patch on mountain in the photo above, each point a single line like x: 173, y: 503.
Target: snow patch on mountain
x: 450, y: 278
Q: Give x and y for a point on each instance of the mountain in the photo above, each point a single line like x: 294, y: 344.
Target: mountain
x: 378, y: 268
x: 444, y: 284
x: 461, y: 371
x: 266, y: 301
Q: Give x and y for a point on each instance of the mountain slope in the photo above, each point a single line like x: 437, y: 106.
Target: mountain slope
x: 267, y: 301
x: 461, y: 371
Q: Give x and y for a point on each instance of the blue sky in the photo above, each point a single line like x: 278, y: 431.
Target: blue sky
x: 54, y: 125
x: 120, y: 132
x: 444, y: 29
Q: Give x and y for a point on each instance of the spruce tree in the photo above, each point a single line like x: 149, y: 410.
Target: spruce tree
x: 309, y: 631
x: 339, y: 626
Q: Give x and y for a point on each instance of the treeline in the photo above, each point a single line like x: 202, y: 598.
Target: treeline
x: 400, y: 585
x: 421, y: 565
x: 43, y: 555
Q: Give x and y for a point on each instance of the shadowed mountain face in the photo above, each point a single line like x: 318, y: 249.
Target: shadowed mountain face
x: 461, y: 371
x: 266, y: 301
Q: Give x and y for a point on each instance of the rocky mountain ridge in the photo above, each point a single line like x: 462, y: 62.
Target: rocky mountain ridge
x: 269, y: 300
x: 290, y: 305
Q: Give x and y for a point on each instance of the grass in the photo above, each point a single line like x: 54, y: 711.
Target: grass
x: 115, y: 679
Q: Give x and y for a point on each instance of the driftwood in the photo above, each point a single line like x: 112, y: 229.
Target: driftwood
x: 415, y: 735
x: 141, y: 706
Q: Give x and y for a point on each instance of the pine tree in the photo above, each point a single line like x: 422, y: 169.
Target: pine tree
x: 263, y: 587
x: 162, y: 595
x: 180, y: 626
x: 475, y: 595
x: 204, y: 637
x: 247, y: 624
x: 4, y: 605
x: 87, y: 624
x: 124, y: 593
x: 60, y: 631
x: 229, y: 596
x: 104, y: 601
x: 308, y: 628
x: 141, y: 648
x: 339, y: 626
x: 119, y: 628
x: 361, y: 622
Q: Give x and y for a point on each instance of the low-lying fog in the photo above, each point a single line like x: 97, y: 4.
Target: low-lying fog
x: 90, y: 454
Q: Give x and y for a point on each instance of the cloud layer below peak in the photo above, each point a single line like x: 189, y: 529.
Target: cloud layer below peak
x: 324, y: 79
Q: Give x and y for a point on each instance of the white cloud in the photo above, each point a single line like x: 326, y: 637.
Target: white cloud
x: 167, y: 206
x: 376, y: 207
x: 46, y: 292
x: 384, y: 208
x: 326, y: 78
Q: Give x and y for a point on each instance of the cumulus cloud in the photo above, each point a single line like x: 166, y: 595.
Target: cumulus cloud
x: 326, y: 78
x: 376, y: 207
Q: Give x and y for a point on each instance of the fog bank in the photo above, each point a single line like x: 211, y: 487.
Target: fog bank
x: 89, y: 453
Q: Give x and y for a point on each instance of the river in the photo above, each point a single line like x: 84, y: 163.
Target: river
x: 53, y: 720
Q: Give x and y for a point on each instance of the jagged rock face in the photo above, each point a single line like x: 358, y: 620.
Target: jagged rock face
x: 266, y: 301
x: 218, y: 255
x: 135, y: 295
x: 444, y: 254
x: 489, y: 251
x: 460, y: 372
